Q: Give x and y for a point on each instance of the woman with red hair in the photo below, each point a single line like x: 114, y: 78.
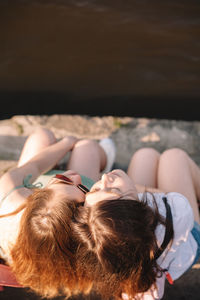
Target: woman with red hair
x: 36, y: 210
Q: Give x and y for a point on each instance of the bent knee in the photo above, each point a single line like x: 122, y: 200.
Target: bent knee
x: 44, y: 134
x: 173, y: 153
x: 146, y: 152
x: 87, y: 143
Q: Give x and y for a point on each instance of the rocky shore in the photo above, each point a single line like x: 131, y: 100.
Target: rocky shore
x: 129, y: 134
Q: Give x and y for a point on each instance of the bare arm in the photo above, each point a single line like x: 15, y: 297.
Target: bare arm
x: 37, y: 165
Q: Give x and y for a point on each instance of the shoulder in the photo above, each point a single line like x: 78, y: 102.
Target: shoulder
x: 8, y: 181
x: 176, y: 200
x: 12, y: 179
x: 182, y: 214
x: 181, y: 210
x: 12, y: 192
x: 179, y: 204
x: 180, y: 255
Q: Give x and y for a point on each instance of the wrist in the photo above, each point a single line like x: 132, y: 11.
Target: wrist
x: 69, y: 141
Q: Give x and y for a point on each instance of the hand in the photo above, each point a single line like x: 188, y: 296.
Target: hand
x: 71, y: 140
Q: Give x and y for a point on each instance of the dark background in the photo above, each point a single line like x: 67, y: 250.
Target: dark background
x: 100, y: 57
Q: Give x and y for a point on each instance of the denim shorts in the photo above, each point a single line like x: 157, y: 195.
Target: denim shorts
x: 196, y: 234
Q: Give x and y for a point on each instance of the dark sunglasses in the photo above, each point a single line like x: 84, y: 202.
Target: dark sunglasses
x: 67, y: 180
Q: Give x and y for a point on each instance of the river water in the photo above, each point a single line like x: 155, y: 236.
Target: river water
x: 124, y: 57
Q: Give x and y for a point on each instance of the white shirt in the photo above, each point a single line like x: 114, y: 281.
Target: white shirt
x: 180, y: 256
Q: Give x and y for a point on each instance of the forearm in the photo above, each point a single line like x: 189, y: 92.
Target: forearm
x: 42, y: 162
x: 50, y: 156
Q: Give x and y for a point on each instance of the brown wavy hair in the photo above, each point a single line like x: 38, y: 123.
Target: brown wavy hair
x: 43, y: 258
x: 119, y: 244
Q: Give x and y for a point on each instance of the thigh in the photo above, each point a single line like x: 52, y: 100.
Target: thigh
x: 37, y: 141
x: 87, y: 158
x: 143, y: 167
x: 178, y: 173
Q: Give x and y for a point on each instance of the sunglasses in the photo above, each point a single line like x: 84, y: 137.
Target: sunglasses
x: 67, y: 180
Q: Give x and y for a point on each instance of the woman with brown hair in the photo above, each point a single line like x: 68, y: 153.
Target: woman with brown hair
x: 140, y: 228
x: 36, y: 239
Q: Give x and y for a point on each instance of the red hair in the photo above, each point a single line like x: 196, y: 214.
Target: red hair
x: 43, y: 257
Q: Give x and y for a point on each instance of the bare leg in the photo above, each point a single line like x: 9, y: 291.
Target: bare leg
x: 177, y: 172
x: 143, y: 167
x: 38, y: 140
x: 87, y: 158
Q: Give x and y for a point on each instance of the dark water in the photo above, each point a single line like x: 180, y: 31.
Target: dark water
x: 138, y: 58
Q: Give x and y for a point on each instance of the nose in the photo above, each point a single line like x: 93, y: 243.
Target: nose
x: 76, y: 179
x: 106, y: 180
x: 74, y: 176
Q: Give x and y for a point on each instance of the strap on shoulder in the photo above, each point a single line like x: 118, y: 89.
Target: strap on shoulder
x: 25, y: 184
x: 169, y: 231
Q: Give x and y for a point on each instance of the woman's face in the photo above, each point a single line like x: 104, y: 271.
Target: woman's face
x: 114, y: 185
x: 70, y: 190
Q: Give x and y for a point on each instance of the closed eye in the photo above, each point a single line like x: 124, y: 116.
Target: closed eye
x: 95, y: 190
x: 107, y: 190
x: 114, y: 190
